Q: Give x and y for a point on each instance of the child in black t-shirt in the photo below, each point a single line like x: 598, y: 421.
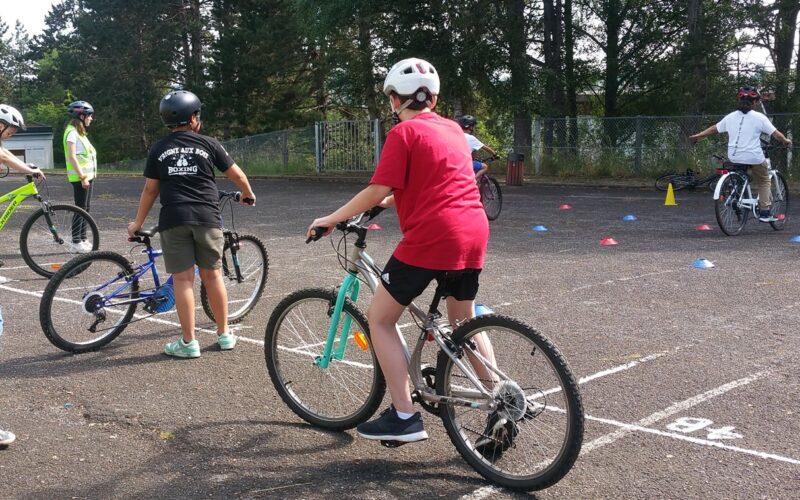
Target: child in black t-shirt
x: 180, y: 169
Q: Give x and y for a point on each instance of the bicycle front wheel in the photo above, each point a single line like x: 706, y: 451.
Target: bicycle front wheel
x: 253, y: 266
x: 492, y: 197
x: 678, y: 181
x: 338, y: 397
x: 46, y: 245
x: 533, y: 437
x: 81, y: 307
x: 780, y: 202
x: 731, y: 216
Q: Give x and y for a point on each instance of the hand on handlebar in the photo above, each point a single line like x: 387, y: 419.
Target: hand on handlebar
x: 36, y: 173
x: 132, y: 228
x: 319, y: 228
x: 248, y: 198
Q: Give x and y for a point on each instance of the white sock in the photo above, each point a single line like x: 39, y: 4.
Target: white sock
x: 404, y: 416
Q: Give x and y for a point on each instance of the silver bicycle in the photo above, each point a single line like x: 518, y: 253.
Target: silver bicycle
x: 512, y: 409
x: 734, y: 201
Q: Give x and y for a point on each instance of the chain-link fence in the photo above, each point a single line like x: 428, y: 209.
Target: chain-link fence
x: 290, y: 151
x: 636, y: 146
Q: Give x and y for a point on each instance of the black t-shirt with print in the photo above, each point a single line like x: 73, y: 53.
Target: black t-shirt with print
x: 183, y: 163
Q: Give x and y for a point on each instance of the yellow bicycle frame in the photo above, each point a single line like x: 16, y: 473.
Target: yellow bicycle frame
x: 16, y: 196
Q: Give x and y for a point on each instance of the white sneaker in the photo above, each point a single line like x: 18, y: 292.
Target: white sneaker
x: 6, y: 438
x: 80, y: 247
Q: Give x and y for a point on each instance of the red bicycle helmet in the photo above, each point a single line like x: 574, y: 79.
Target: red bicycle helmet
x: 747, y: 91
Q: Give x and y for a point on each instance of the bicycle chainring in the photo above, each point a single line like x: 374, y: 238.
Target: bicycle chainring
x: 429, y: 376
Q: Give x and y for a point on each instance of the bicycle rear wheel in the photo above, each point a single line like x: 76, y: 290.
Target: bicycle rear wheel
x: 491, y: 197
x: 45, y: 247
x: 533, y: 437
x: 780, y: 202
x: 731, y: 217
x: 678, y: 181
x: 254, y: 266
x: 76, y: 312
x: 340, y: 396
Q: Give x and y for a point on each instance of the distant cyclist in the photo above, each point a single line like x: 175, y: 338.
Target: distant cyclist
x: 744, y: 128
x: 468, y: 123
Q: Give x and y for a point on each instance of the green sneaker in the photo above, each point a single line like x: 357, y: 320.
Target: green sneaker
x: 226, y: 341
x: 180, y: 349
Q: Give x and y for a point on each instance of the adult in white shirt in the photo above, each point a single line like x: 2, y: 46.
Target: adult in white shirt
x: 744, y: 128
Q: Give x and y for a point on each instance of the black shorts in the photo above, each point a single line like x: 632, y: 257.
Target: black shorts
x: 405, y: 282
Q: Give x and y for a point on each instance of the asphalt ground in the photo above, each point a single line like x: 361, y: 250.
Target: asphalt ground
x: 689, y: 376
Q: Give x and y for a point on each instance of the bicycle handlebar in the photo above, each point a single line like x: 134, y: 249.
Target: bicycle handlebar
x: 350, y: 225
x: 236, y: 196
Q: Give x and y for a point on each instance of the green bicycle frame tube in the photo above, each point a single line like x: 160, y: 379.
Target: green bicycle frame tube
x: 350, y: 285
x: 16, y: 196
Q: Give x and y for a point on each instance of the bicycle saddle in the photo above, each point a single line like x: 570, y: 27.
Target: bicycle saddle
x: 735, y: 166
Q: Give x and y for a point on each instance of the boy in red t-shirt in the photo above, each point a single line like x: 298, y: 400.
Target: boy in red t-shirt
x: 425, y: 170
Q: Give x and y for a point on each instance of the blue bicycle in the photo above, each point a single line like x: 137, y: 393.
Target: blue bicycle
x: 77, y: 314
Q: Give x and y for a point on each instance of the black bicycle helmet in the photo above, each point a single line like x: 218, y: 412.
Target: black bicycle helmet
x: 467, y: 121
x: 177, y: 108
x: 76, y: 109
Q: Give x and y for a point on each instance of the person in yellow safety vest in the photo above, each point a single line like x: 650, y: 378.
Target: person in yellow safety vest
x: 81, y: 159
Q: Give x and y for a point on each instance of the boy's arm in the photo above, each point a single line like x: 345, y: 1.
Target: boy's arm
x: 778, y: 135
x: 146, y: 200
x: 709, y: 131
x: 369, y: 197
x: 238, y: 177
x: 488, y: 150
x: 8, y: 159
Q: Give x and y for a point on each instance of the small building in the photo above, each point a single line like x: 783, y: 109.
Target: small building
x: 34, y: 145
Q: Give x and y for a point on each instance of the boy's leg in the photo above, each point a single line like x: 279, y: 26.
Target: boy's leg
x: 383, y: 314
x: 459, y: 311
x: 217, y: 296
x: 183, y: 286
x: 761, y: 181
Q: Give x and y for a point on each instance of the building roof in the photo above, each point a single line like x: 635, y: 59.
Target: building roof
x: 35, y: 128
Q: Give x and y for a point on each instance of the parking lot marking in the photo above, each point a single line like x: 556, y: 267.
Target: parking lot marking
x: 691, y: 439
x: 672, y: 410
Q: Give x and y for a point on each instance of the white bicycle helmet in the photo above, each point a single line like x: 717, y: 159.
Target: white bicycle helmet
x: 410, y: 75
x: 10, y: 116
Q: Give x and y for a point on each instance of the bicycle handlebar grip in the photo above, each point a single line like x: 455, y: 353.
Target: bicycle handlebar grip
x: 374, y: 211
x: 316, y: 233
x: 249, y: 201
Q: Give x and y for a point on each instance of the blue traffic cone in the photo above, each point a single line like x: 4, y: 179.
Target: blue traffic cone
x: 702, y: 263
x: 540, y: 228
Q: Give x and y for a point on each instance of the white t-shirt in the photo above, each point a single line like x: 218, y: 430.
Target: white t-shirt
x: 474, y: 143
x: 744, y: 136
x: 73, y: 138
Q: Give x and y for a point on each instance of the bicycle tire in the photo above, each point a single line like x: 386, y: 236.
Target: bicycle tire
x: 730, y: 216
x: 780, y: 202
x: 306, y: 388
x: 255, y: 273
x: 678, y: 181
x: 40, y: 251
x: 491, y: 197
x: 62, y: 311
x: 540, y: 374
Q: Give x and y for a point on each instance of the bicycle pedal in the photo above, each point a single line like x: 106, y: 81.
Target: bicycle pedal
x: 392, y: 443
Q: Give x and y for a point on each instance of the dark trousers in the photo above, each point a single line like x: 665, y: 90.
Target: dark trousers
x: 83, y: 199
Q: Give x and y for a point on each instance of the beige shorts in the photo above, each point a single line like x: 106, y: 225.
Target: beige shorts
x: 185, y: 246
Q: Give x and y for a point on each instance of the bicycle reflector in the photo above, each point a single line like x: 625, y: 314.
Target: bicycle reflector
x: 361, y: 340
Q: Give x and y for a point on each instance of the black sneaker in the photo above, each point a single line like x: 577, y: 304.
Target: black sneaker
x: 390, y: 427
x: 765, y: 215
x: 498, y: 436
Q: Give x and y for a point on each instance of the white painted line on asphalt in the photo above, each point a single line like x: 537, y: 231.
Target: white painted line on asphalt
x: 672, y: 410
x: 700, y: 441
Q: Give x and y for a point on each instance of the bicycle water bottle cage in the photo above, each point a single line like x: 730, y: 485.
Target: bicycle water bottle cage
x: 162, y: 300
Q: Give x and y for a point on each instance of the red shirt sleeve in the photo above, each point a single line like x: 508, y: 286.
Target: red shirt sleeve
x: 392, y: 169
